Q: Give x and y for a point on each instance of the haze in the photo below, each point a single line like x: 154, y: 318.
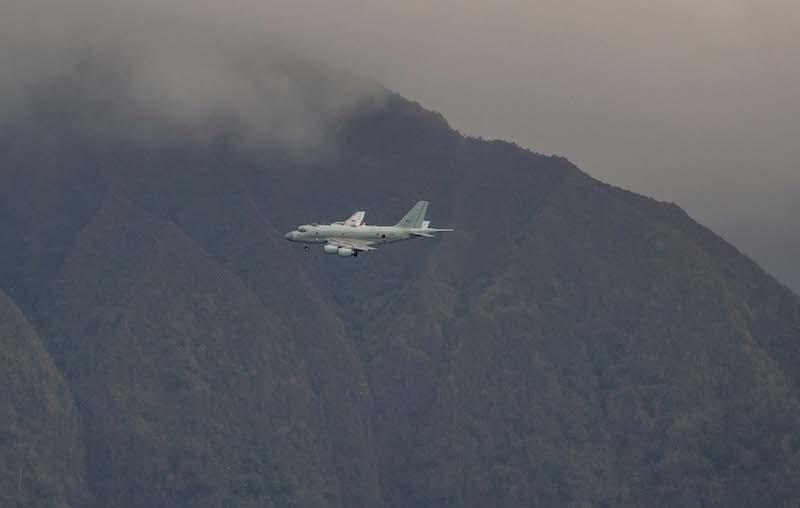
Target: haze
x: 688, y: 101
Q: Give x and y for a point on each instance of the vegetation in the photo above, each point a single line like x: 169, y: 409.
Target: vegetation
x: 571, y: 344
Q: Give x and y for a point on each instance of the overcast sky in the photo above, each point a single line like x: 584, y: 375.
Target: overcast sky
x: 691, y: 101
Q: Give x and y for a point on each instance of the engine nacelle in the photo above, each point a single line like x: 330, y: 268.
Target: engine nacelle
x: 346, y: 252
x: 330, y: 249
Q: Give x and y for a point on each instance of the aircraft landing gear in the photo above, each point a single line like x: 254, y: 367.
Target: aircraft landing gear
x: 305, y: 248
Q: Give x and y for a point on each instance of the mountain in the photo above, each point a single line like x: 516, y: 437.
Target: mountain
x: 571, y: 343
x: 43, y: 460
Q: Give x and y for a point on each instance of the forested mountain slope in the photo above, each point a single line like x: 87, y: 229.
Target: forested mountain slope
x: 570, y: 343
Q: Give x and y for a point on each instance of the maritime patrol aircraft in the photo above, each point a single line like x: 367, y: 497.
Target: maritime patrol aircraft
x: 349, y: 237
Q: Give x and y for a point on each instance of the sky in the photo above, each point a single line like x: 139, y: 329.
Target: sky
x: 696, y: 102
x: 689, y: 101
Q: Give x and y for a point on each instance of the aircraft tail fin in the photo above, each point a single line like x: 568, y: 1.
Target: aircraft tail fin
x: 415, y: 217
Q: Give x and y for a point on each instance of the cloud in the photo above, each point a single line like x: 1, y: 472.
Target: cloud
x: 178, y: 64
x: 692, y: 101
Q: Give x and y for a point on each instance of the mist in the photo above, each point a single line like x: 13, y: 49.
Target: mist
x: 173, y: 65
x: 690, y: 101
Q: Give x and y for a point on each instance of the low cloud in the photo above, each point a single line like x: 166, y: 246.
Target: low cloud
x: 177, y: 64
x: 688, y: 101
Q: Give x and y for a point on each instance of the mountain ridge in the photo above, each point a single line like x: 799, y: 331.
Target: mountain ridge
x: 43, y: 462
x: 571, y: 343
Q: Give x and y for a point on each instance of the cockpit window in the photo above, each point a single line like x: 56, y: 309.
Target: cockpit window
x: 302, y: 230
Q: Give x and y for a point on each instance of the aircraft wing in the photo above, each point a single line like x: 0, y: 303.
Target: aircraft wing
x: 361, y: 245
x: 356, y: 219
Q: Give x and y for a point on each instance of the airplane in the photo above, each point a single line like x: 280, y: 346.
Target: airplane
x: 349, y: 237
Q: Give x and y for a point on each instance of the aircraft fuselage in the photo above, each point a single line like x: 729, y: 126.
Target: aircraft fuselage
x: 349, y: 237
x: 322, y: 233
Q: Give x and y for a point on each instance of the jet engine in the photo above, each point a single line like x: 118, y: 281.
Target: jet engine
x: 346, y: 252
x: 330, y: 249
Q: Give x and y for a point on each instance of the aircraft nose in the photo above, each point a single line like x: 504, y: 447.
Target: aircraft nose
x: 289, y: 236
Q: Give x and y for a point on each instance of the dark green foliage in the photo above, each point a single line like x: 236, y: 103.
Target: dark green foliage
x: 570, y: 344
x: 42, y: 460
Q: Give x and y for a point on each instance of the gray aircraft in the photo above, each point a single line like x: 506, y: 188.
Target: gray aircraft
x: 349, y: 237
